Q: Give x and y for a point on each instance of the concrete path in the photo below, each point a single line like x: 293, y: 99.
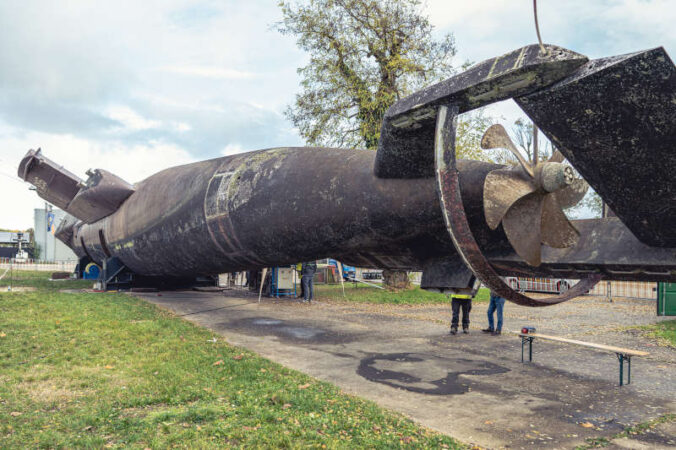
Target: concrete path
x: 472, y: 387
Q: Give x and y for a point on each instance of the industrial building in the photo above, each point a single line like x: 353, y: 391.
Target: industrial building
x: 46, y: 221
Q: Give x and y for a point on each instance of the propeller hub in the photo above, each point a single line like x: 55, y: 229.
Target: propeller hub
x: 555, y: 176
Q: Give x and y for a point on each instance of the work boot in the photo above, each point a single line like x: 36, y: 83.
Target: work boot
x: 465, y: 330
x: 454, y: 330
x: 496, y: 333
x: 487, y: 330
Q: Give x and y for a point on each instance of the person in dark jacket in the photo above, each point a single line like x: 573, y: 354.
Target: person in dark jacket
x: 464, y: 303
x: 308, y: 270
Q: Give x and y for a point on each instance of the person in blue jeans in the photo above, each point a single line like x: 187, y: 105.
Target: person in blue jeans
x: 497, y: 304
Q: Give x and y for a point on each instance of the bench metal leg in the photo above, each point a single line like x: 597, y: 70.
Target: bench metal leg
x: 628, y: 358
x: 621, y: 358
x: 528, y: 339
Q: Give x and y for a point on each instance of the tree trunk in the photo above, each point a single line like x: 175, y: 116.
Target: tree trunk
x: 395, y: 280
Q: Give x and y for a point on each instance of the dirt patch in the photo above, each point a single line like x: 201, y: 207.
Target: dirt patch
x: 51, y: 391
x: 143, y: 411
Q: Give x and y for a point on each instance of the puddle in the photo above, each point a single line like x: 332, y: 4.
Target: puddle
x: 286, y: 330
x: 427, y: 374
x: 266, y: 322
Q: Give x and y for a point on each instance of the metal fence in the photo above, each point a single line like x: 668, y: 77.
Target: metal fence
x: 19, y: 274
x: 36, y: 265
x: 628, y: 289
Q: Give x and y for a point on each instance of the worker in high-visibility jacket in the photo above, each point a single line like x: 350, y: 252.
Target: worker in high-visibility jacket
x: 459, y: 302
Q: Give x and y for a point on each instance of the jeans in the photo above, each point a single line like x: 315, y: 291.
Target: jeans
x: 466, y: 305
x: 308, y: 287
x: 497, y: 303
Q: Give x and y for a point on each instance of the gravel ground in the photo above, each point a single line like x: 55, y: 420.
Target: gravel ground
x: 474, y: 386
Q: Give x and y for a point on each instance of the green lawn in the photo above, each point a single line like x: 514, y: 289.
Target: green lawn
x: 664, y: 331
x: 95, y: 370
x: 355, y: 292
x: 40, y: 280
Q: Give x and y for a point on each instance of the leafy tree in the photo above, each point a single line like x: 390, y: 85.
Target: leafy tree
x: 524, y: 132
x: 471, y: 128
x: 364, y: 56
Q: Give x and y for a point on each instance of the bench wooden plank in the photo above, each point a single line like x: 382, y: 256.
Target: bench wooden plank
x: 609, y: 348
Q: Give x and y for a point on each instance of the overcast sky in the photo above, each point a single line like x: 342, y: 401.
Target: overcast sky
x: 138, y: 86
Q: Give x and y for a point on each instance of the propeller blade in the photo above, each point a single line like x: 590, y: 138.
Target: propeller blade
x: 557, y: 156
x: 496, y: 137
x: 571, y: 194
x: 557, y: 231
x: 502, y: 188
x: 522, y: 227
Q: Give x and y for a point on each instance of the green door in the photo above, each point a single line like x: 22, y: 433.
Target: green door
x: 666, y: 299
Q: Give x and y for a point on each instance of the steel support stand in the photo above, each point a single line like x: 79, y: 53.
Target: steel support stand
x: 528, y: 339
x: 622, y: 358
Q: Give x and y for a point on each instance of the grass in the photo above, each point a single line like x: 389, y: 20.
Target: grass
x: 40, y: 280
x: 662, y: 331
x: 355, y: 292
x: 110, y: 370
x: 634, y: 430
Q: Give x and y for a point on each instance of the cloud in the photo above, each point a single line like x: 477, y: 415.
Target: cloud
x: 232, y: 149
x: 91, y: 69
x: 130, y: 119
x: 132, y: 163
x: 599, y: 28
x: 134, y: 87
x: 210, y: 72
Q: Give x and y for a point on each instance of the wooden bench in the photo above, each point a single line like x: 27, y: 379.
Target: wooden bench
x: 623, y: 354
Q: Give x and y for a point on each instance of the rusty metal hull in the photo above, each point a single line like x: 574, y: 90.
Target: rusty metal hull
x: 280, y: 206
x: 267, y: 208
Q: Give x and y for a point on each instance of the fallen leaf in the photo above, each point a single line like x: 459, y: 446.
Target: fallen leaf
x: 15, y: 413
x: 218, y: 363
x: 286, y: 406
x: 304, y: 386
x: 237, y: 357
x: 488, y: 422
x: 263, y: 370
x: 2, y: 335
x: 587, y: 425
x: 109, y: 367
